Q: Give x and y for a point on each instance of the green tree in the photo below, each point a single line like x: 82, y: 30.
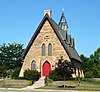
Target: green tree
x: 3, y: 72
x: 15, y: 73
x: 11, y: 56
x: 91, y: 65
x: 64, y: 70
x: 85, y: 63
x: 95, y: 58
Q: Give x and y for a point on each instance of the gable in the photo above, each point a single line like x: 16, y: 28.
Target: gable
x: 55, y: 29
x: 46, y: 36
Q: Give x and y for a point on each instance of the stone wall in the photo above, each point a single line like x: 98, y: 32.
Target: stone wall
x: 46, y: 36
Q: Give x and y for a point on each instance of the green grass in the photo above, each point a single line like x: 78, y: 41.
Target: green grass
x: 11, y: 83
x: 80, y: 88
x: 91, y: 80
x: 88, y: 84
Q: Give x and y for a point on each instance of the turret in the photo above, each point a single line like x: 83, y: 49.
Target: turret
x: 62, y: 23
x: 64, y: 26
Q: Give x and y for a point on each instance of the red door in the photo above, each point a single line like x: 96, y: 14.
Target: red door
x: 46, y: 69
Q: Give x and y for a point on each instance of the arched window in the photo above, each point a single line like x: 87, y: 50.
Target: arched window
x: 33, y: 65
x: 43, y: 49
x: 50, y: 49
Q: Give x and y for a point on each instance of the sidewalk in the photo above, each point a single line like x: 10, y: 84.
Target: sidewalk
x: 43, y: 90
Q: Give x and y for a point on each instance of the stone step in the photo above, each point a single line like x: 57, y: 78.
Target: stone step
x: 39, y: 83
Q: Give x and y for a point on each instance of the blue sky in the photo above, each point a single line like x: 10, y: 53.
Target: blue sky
x: 20, y: 18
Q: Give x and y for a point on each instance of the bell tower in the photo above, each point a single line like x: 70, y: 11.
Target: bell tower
x: 62, y: 23
x: 64, y: 26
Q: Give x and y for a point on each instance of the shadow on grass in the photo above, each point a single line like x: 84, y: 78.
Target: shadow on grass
x: 66, y: 86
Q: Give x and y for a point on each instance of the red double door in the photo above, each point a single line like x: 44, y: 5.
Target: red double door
x: 46, y: 68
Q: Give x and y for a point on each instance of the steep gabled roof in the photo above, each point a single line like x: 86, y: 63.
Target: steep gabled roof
x: 69, y: 50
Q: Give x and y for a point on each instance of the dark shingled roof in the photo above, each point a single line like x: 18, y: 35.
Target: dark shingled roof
x: 72, y: 53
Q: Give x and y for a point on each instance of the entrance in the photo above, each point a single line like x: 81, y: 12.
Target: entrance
x: 46, y: 68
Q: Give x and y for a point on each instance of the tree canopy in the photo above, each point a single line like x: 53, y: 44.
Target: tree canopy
x: 64, y: 70
x: 10, y: 56
x: 91, y: 65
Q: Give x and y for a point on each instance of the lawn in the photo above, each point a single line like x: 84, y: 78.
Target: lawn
x: 89, y: 84
x: 85, y: 84
x: 11, y: 83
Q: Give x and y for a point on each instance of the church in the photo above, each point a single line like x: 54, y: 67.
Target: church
x: 49, y: 42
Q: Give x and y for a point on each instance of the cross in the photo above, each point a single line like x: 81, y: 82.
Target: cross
x: 63, y: 9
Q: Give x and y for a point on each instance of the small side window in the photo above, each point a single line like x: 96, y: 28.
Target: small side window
x: 33, y: 65
x: 43, y: 49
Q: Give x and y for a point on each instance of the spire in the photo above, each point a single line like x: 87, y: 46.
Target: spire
x: 62, y: 23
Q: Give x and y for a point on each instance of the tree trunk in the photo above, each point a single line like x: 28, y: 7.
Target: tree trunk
x: 64, y: 82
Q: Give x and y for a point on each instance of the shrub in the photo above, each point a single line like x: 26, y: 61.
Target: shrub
x: 89, y: 74
x: 54, y: 76
x: 33, y: 75
x: 30, y: 82
x: 48, y: 81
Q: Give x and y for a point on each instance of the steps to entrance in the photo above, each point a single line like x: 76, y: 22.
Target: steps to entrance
x: 39, y: 83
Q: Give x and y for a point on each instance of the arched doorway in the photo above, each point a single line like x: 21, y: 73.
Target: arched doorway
x: 46, y: 68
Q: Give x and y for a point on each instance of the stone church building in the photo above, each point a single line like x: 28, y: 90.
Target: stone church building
x: 49, y: 42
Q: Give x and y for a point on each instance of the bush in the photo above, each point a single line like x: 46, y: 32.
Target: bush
x: 54, y: 76
x: 30, y: 82
x: 89, y: 74
x: 33, y: 75
x: 48, y: 81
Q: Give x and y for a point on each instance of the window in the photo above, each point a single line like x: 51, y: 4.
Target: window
x: 50, y: 49
x: 43, y: 49
x: 33, y: 65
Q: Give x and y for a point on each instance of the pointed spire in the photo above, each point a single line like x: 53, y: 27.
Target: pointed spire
x: 62, y: 23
